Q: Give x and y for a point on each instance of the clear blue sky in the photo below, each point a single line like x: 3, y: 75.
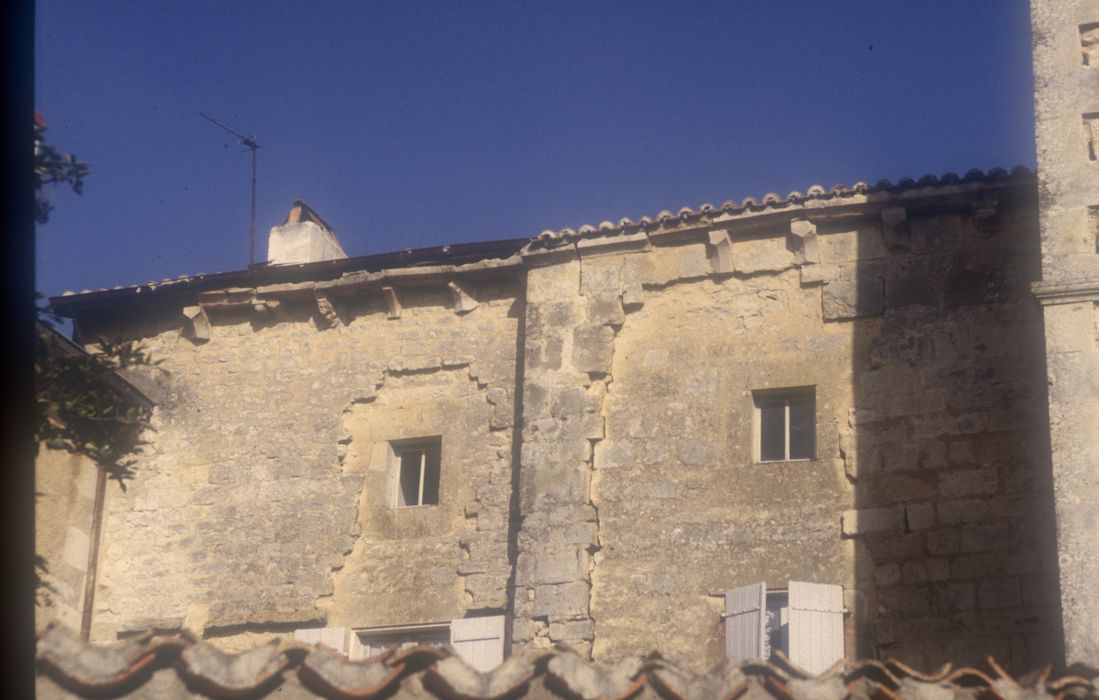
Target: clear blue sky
x: 411, y: 124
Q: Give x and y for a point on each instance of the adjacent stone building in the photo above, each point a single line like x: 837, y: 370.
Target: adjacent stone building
x: 1066, y: 109
x: 814, y: 423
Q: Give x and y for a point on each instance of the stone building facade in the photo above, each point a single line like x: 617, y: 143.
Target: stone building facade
x: 597, y: 401
x: 842, y: 423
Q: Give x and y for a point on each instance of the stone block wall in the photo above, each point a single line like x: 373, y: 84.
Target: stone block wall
x: 64, y: 507
x: 927, y: 499
x: 261, y: 505
x: 946, y: 446
x: 632, y: 496
x: 685, y: 510
x: 1066, y: 121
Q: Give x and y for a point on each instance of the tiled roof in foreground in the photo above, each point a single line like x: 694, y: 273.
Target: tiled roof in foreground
x: 181, y: 666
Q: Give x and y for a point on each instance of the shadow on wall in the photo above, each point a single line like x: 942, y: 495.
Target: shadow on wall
x: 948, y: 443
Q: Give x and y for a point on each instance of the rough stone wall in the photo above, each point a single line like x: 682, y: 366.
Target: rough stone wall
x: 64, y: 508
x: 1066, y: 115
x: 641, y: 499
x: 946, y: 444
x: 565, y: 367
x: 260, y: 504
x: 685, y: 512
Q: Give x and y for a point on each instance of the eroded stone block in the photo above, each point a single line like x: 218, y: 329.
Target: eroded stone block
x: 861, y: 521
x: 852, y: 298
x: 762, y: 255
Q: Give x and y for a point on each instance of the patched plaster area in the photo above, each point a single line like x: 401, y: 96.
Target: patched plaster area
x: 427, y: 563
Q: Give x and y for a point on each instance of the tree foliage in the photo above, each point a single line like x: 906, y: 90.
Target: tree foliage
x: 51, y: 168
x: 80, y: 407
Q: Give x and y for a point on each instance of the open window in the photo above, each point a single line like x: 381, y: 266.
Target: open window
x: 785, y: 424
x: 479, y: 641
x: 804, y: 622
x: 416, y: 469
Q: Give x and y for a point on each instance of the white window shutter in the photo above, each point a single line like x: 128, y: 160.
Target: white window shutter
x: 331, y: 637
x: 393, y: 477
x: 479, y: 641
x: 745, y: 622
x: 816, y: 625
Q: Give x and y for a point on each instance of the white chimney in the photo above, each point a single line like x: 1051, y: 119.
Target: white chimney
x: 303, y: 238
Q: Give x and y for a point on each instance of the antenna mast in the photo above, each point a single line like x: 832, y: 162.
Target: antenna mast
x: 250, y: 142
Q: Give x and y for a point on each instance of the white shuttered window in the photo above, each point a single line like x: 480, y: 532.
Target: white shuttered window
x: 816, y: 625
x: 805, y: 622
x: 745, y: 622
x: 479, y: 641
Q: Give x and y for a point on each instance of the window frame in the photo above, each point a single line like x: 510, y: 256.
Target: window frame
x: 368, y: 642
x: 397, y: 450
x: 762, y: 398
x: 812, y: 619
x: 477, y: 640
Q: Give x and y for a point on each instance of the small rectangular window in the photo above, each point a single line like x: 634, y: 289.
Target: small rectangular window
x: 805, y: 622
x: 785, y: 424
x: 479, y: 641
x: 371, y: 642
x: 418, y: 466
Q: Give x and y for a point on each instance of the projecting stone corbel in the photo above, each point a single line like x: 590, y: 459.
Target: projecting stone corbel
x: 327, y: 310
x: 720, y: 251
x: 803, y: 236
x: 986, y: 216
x: 197, y: 324
x: 392, y: 304
x: 463, y: 302
x: 894, y: 226
x: 264, y: 307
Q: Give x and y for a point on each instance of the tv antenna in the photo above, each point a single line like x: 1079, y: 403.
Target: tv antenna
x: 250, y: 142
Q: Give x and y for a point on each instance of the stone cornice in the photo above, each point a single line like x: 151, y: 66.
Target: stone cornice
x: 1051, y: 293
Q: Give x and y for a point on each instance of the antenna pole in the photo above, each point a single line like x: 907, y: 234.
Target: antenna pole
x: 252, y: 225
x: 250, y: 142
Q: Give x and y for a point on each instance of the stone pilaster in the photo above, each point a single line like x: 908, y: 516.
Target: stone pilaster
x: 1066, y: 103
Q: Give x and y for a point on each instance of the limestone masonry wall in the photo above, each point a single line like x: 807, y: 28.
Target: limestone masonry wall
x: 1066, y: 125
x: 632, y: 495
x: 63, y: 515
x: 927, y: 501
x: 261, y: 505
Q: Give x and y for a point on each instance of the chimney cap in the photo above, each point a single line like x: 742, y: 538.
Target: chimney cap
x: 300, y: 211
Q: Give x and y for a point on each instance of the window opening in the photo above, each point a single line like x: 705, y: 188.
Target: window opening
x: 776, y: 637
x: 479, y: 641
x: 418, y: 465
x: 367, y: 643
x: 805, y: 622
x: 786, y: 424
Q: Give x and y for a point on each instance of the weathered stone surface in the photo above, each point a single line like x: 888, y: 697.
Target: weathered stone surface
x: 634, y: 495
x: 762, y: 255
x: 1065, y: 106
x: 721, y: 252
x: 229, y: 476
x: 859, y: 522
x: 853, y: 298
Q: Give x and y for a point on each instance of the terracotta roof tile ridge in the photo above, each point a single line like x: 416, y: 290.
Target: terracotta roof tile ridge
x: 773, y: 200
